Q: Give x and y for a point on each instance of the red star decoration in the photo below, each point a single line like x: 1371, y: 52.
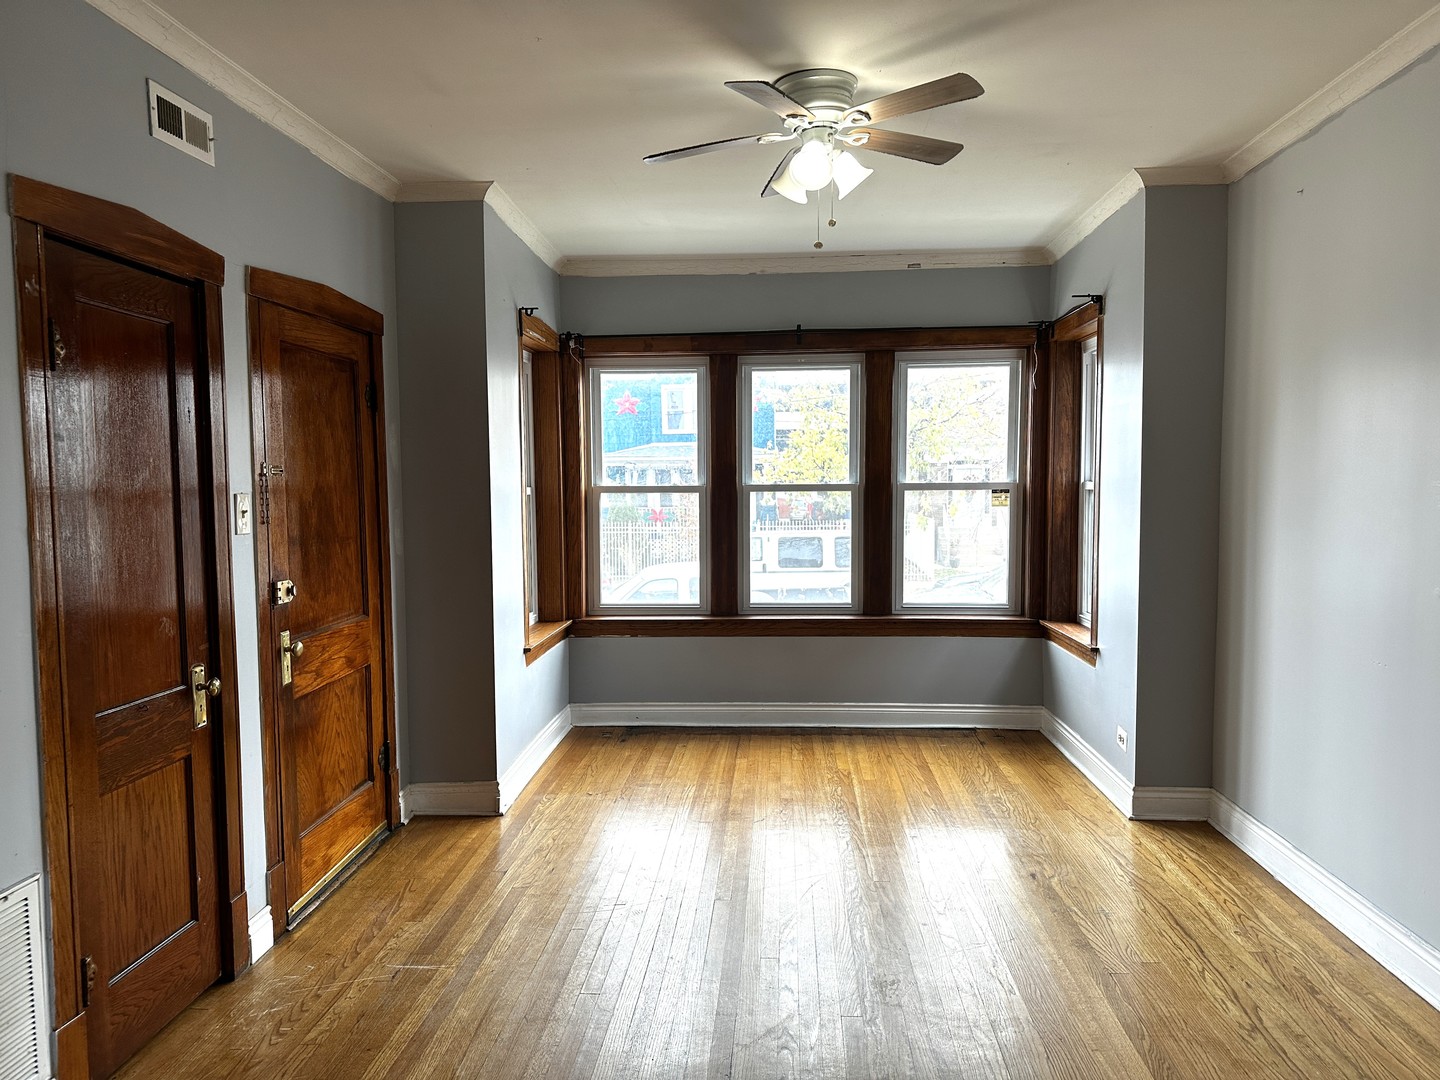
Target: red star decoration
x: 657, y: 516
x: 626, y: 404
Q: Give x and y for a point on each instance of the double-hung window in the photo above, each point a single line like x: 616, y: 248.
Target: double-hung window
x: 800, y: 469
x: 527, y: 480
x: 957, y: 512
x: 648, y: 500
x: 1089, y: 457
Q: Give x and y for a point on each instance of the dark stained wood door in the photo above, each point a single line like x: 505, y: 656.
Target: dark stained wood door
x: 323, y: 526
x: 135, y: 625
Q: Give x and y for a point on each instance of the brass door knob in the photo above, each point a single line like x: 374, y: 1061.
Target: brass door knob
x: 296, y: 648
x: 213, y: 688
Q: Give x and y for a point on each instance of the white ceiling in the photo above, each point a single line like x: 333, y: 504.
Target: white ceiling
x: 558, y: 100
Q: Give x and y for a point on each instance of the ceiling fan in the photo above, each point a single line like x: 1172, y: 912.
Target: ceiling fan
x: 816, y: 105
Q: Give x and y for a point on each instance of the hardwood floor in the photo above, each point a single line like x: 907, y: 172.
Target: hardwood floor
x: 814, y: 903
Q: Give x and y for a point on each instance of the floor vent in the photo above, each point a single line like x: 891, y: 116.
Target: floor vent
x: 175, y: 121
x: 24, y: 1037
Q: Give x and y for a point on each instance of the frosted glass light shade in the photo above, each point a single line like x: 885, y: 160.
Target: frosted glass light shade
x: 784, y: 185
x: 811, y: 168
x: 848, y: 173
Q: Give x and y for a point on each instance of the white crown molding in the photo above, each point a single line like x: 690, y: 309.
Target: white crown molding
x: 1181, y: 175
x: 478, y: 798
x: 759, y: 714
x: 159, y: 30
x: 1413, y: 961
x: 523, y: 227
x: 1392, y: 57
x: 514, y: 779
x: 262, y: 933
x: 429, y: 191
x: 1128, y: 187
x: 688, y: 265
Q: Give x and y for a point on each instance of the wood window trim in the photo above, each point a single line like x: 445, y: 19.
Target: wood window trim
x: 876, y: 616
x: 808, y: 625
x: 548, y: 433
x: 1061, y: 400
x: 1073, y: 638
x: 39, y: 210
x: 541, y: 637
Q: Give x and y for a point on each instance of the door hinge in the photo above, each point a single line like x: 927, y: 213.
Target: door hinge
x: 384, y: 762
x: 370, y: 396
x: 57, y: 346
x: 88, y: 972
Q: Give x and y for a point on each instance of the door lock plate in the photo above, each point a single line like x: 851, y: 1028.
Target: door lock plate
x: 199, y: 696
x: 283, y: 592
x: 287, y: 676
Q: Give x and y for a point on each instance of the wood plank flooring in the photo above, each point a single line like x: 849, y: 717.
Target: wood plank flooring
x: 807, y: 904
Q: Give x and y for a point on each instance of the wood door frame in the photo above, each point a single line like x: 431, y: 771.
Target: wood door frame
x: 38, y: 211
x: 323, y: 302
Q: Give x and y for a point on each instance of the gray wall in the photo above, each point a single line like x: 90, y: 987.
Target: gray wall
x: 73, y: 112
x: 526, y: 698
x: 878, y: 298
x: 908, y: 671
x: 959, y: 671
x: 1329, y: 618
x: 1185, y: 236
x: 1092, y: 701
x: 440, y: 267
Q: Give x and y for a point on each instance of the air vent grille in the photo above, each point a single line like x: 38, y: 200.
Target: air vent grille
x: 24, y: 1038
x: 175, y: 121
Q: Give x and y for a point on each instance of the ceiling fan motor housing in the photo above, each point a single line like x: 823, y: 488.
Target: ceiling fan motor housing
x: 820, y: 90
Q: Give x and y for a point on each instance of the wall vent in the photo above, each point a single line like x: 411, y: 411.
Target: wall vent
x: 175, y: 121
x: 24, y: 1035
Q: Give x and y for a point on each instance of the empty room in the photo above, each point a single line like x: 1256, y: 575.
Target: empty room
x: 668, y: 539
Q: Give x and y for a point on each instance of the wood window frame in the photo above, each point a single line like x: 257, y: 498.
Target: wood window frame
x: 876, y: 615
x: 692, y: 364
x: 39, y: 210
x: 548, y: 437
x: 1063, y: 397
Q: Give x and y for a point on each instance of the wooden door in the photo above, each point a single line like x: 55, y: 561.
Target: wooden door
x: 323, y: 526
x: 136, y: 637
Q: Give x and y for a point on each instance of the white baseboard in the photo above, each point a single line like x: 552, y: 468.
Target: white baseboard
x: 514, y: 779
x: 476, y: 798
x: 1414, y: 962
x: 1112, y: 784
x: 262, y: 933
x: 1170, y: 804
x: 774, y: 715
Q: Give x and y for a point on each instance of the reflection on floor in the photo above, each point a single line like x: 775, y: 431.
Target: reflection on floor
x: 817, y: 903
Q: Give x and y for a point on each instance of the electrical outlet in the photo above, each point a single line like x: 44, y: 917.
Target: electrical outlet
x: 1122, y: 738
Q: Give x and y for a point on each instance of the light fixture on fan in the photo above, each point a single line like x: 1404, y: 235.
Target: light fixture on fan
x: 817, y: 110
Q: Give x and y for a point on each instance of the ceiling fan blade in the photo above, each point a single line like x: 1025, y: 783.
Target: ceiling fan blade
x: 769, y: 188
x: 778, y: 102
x: 946, y: 91
x: 899, y: 144
x: 705, y: 148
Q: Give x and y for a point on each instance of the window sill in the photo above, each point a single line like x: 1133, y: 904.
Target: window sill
x: 544, y: 636
x: 1073, y: 638
x: 1014, y: 626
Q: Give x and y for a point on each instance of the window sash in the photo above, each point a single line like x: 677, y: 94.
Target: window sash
x: 1089, y: 439
x: 854, y: 365
x: 904, y: 364
x: 597, y: 488
x: 527, y: 480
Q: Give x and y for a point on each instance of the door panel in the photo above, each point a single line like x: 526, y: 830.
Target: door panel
x: 135, y: 608
x: 320, y: 445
